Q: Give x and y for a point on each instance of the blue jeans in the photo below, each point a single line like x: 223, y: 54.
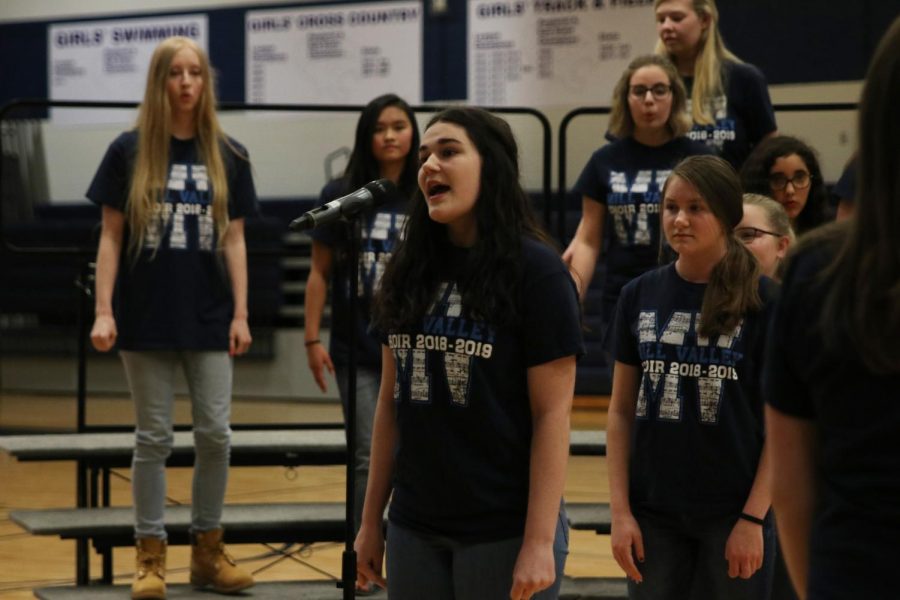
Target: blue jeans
x: 151, y: 378
x: 422, y: 565
x: 368, y: 380
x: 684, y: 558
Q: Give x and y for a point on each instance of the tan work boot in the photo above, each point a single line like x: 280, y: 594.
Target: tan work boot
x: 212, y: 566
x: 150, y: 570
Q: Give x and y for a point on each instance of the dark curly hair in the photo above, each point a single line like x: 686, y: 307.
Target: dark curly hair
x: 755, y: 177
x: 489, y: 281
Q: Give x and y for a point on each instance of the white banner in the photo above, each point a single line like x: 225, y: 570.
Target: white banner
x: 554, y: 52
x: 108, y: 60
x: 344, y: 54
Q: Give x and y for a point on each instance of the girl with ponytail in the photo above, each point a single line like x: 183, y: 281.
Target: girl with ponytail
x: 688, y: 481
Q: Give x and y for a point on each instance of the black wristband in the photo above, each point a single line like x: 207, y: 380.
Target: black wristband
x: 312, y: 342
x: 752, y: 519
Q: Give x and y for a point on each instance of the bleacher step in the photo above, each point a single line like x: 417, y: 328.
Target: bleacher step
x: 295, y: 522
x: 244, y: 523
x: 589, y: 516
x: 580, y: 588
x: 276, y: 590
x: 248, y: 447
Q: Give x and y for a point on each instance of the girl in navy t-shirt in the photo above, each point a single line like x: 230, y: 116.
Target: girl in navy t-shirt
x: 387, y: 139
x: 620, y: 185
x: 728, y: 99
x: 689, y: 489
x: 175, y: 192
x: 480, y: 324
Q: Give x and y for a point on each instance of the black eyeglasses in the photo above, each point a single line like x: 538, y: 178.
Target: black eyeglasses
x: 800, y: 180
x: 748, y: 234
x: 659, y: 91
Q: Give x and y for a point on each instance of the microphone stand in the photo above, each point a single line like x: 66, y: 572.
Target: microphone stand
x: 348, y: 562
x: 371, y: 194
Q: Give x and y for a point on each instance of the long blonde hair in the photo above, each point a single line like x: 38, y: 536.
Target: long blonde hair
x: 708, y: 82
x: 154, y: 128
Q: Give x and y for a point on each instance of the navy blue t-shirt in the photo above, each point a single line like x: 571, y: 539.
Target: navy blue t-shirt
x: 628, y: 177
x: 463, y: 412
x: 856, y: 413
x: 380, y: 232
x: 845, y: 188
x: 177, y: 294
x: 743, y: 116
x: 698, y: 431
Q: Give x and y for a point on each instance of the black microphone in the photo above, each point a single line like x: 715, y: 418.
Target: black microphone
x: 374, y: 193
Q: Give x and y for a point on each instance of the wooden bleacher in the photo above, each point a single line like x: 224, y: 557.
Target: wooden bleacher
x: 290, y: 447
x: 109, y: 526
x: 106, y: 527
x: 287, y: 447
x: 581, y: 588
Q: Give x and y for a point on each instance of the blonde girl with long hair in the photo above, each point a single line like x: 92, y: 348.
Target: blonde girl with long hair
x: 728, y: 99
x: 174, y: 194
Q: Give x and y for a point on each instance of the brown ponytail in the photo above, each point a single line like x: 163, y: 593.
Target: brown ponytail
x: 733, y: 288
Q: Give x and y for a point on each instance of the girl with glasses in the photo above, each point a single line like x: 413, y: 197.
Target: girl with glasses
x: 787, y: 169
x: 620, y: 185
x: 766, y: 231
x: 689, y: 484
x: 728, y: 99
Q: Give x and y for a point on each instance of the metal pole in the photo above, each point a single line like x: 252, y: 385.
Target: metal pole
x: 348, y: 562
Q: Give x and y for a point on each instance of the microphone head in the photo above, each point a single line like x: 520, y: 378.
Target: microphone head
x: 381, y: 190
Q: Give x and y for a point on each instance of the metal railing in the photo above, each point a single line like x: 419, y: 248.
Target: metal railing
x: 38, y: 103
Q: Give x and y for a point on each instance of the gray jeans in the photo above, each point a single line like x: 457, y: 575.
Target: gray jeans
x: 421, y: 565
x: 368, y: 380
x: 151, y: 378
